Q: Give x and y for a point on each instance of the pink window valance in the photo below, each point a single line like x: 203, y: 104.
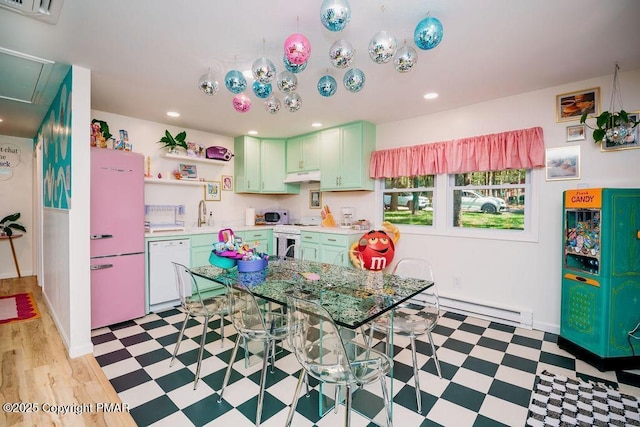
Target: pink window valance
x: 518, y: 149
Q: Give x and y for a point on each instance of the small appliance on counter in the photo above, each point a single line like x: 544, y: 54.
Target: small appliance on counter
x: 348, y: 216
x: 275, y: 216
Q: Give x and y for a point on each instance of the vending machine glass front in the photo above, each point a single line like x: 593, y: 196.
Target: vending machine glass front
x: 582, y: 240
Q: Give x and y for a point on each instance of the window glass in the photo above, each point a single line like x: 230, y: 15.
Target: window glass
x: 489, y: 199
x: 409, y: 200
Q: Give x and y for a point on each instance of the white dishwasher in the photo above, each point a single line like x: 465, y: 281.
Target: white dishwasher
x: 163, y: 292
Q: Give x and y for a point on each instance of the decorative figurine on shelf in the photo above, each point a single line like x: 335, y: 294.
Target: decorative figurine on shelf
x: 375, y: 249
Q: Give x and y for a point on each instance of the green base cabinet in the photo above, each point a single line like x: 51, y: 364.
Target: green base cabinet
x: 201, y: 247
x: 262, y: 239
x: 329, y: 248
x: 310, y: 246
x: 344, y: 158
x: 260, y: 166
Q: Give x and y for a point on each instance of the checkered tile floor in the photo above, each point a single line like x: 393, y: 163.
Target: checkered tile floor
x: 488, y: 373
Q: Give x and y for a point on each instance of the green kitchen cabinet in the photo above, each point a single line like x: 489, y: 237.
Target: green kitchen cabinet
x: 260, y: 167
x: 303, y: 153
x: 310, y: 246
x: 334, y: 248
x: 201, y: 247
x: 263, y: 239
x: 344, y: 158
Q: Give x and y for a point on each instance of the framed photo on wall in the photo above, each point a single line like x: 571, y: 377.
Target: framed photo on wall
x: 630, y: 142
x: 227, y: 183
x: 188, y: 171
x: 572, y: 105
x: 563, y: 163
x: 576, y: 133
x: 212, y: 191
x: 315, y: 199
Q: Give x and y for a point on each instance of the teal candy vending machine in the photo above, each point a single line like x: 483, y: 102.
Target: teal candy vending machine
x: 600, y: 306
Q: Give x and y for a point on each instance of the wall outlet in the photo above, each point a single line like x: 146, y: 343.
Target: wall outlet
x: 457, y: 283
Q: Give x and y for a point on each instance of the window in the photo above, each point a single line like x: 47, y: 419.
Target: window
x: 489, y: 199
x: 409, y: 200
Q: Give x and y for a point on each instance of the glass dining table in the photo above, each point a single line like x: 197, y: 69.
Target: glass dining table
x: 351, y: 296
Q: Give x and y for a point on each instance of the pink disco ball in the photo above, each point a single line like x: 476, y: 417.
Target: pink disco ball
x: 297, y: 49
x: 241, y: 103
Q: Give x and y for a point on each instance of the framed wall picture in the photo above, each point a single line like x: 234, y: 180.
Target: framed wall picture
x: 631, y: 141
x: 188, y: 171
x: 212, y: 191
x: 563, y: 163
x: 576, y: 133
x: 572, y: 105
x: 227, y: 183
x: 315, y: 199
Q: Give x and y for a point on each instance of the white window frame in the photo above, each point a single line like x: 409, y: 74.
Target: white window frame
x: 443, y: 218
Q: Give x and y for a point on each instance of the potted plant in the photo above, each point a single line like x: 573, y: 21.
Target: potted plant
x: 8, y: 224
x: 615, y: 127
x: 173, y: 142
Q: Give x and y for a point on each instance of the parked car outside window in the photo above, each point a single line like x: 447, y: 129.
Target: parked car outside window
x: 406, y: 200
x: 472, y: 201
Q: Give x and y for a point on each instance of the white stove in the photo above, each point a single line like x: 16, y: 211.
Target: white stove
x: 286, y: 229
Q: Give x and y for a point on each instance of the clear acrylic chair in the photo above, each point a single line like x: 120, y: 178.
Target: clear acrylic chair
x: 197, y: 306
x: 254, y: 322
x: 324, y: 355
x: 417, y: 317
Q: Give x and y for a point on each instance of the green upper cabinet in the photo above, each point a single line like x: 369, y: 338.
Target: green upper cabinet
x: 259, y: 166
x: 344, y: 157
x: 303, y: 153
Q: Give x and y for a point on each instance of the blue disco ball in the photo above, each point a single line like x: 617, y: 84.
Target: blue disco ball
x: 294, y: 68
x: 327, y: 86
x: 235, y: 81
x: 335, y: 14
x: 353, y: 80
x: 428, y: 33
x: 262, y: 90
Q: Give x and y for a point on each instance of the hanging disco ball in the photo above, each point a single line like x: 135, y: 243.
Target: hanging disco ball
x: 335, y: 14
x: 297, y: 49
x: 382, y: 47
x: 294, y: 68
x: 327, y: 86
x: 406, y: 58
x: 263, y: 70
x: 262, y: 90
x: 272, y: 104
x: 341, y: 54
x: 235, y: 81
x: 241, y: 103
x: 293, y: 102
x: 354, y: 80
x: 428, y: 33
x: 208, y: 84
x: 287, y: 81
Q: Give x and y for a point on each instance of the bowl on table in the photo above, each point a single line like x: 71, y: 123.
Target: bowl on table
x: 222, y: 261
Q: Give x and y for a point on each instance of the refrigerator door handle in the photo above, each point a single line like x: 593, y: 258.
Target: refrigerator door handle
x: 101, y: 266
x: 101, y: 236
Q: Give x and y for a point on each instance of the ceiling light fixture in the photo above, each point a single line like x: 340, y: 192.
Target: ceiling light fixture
x: 430, y: 95
x: 253, y: 132
x: 173, y: 114
x: 316, y: 125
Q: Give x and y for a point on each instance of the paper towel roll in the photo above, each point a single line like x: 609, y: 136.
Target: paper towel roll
x: 250, y: 217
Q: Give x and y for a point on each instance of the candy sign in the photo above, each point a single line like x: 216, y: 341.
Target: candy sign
x: 9, y: 159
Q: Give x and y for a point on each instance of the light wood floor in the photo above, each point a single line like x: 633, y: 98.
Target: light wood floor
x: 35, y: 370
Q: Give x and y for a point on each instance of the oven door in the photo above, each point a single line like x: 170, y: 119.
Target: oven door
x: 287, y: 245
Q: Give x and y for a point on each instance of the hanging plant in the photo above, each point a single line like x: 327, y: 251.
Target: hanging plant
x: 615, y: 127
x: 169, y: 141
x: 8, y: 224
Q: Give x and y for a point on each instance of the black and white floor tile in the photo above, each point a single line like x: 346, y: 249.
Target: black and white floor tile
x: 488, y: 371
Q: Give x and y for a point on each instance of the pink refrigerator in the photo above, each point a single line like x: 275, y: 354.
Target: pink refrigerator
x: 117, y: 236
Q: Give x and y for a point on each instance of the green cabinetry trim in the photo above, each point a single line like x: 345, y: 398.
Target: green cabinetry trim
x: 263, y: 239
x: 303, y: 153
x: 344, y: 158
x: 259, y: 166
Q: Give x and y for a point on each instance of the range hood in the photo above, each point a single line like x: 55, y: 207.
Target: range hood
x: 302, y: 177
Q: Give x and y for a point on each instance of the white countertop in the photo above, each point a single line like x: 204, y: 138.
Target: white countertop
x: 189, y: 231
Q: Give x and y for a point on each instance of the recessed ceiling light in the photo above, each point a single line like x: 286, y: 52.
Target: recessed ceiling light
x: 430, y: 95
x: 253, y: 132
x: 1, y: 119
x: 173, y: 114
x: 316, y: 125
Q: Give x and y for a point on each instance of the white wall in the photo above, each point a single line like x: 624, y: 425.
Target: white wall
x: 506, y: 273
x: 15, y: 196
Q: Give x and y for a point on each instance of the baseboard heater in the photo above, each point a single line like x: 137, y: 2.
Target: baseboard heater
x: 519, y: 317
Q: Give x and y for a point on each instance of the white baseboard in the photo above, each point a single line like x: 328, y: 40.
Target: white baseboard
x: 514, y: 316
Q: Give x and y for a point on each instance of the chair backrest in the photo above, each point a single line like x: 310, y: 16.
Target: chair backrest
x: 245, y: 312
x: 317, y: 342
x: 417, y: 268
x: 185, y: 282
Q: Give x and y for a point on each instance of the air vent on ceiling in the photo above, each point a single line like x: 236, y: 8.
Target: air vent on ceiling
x: 43, y: 10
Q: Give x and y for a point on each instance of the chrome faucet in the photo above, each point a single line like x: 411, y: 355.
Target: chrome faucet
x: 202, y: 213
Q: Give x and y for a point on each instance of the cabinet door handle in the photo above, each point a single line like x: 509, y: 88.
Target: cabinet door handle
x: 332, y: 240
x: 101, y: 236
x: 101, y: 266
